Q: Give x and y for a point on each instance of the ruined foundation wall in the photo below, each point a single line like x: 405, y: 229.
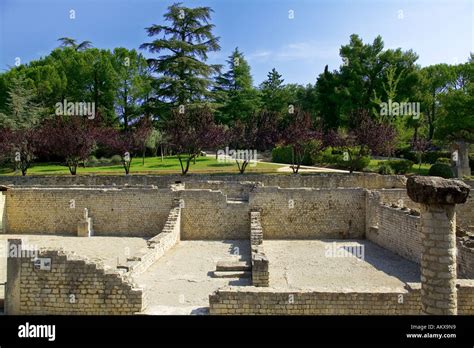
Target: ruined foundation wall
x: 317, y: 180
x: 310, y: 213
x: 128, y: 212
x: 207, y: 214
x: 267, y: 300
x: 74, y: 286
x: 397, y: 231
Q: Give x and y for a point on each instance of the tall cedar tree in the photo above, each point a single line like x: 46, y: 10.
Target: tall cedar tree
x: 183, y: 77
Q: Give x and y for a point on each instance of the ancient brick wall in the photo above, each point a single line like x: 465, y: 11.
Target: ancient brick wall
x: 2, y: 210
x: 260, y: 263
x: 267, y: 300
x: 397, y: 231
x: 317, y: 180
x: 158, y: 245
x: 74, y: 285
x: 124, y: 211
x: 310, y: 213
x: 465, y: 259
x: 207, y: 214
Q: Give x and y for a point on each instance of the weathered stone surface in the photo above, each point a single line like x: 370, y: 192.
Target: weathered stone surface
x: 436, y: 190
x: 3, y: 188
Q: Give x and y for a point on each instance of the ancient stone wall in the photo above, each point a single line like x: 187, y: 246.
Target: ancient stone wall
x: 316, y: 180
x: 307, y: 213
x: 72, y: 285
x: 397, y: 231
x: 207, y: 214
x: 260, y: 263
x: 2, y: 210
x: 124, y: 211
x: 465, y: 259
x: 267, y: 300
x: 158, y: 245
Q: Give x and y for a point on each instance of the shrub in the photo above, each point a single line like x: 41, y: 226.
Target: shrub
x: 356, y: 164
x: 282, y: 154
x: 92, y: 161
x: 444, y: 160
x: 104, y: 161
x: 116, y: 159
x: 441, y: 169
x: 432, y: 156
x: 406, y: 153
x: 400, y: 166
x: 385, y: 169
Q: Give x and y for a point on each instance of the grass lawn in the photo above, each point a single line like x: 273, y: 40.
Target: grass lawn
x: 423, y: 170
x: 153, y: 165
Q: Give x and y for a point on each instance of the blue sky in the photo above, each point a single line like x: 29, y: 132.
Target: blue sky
x: 299, y: 48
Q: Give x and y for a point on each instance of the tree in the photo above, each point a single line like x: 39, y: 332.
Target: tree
x: 68, y: 42
x: 297, y: 135
x: 274, y: 95
x: 435, y: 81
x: 183, y: 77
x: 190, y: 132
x: 71, y: 138
x: 234, y: 93
x: 133, y: 84
x: 327, y: 102
x: 19, y: 147
x: 22, y: 111
x: 378, y: 136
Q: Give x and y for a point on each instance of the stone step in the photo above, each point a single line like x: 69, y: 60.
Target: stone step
x: 227, y: 266
x: 233, y: 274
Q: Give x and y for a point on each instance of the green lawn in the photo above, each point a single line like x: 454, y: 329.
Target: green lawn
x: 423, y: 170
x: 153, y: 165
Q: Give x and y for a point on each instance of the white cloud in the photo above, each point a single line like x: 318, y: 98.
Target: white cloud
x: 298, y: 51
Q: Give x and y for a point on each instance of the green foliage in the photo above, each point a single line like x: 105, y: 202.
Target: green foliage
x: 385, y: 169
x: 275, y: 97
x: 92, y: 161
x: 234, y: 93
x: 442, y: 170
x: 400, y: 166
x: 184, y: 42
x: 444, y: 160
x: 283, y: 154
x: 116, y: 159
x: 355, y: 164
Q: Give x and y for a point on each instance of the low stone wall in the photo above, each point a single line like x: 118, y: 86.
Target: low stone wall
x: 465, y: 260
x: 158, y: 245
x: 315, y: 180
x: 208, y: 215
x: 72, y: 286
x: 2, y: 210
x: 114, y: 211
x: 233, y: 190
x: 260, y: 263
x: 465, y: 212
x: 307, y: 213
x: 397, y: 231
x: 271, y: 301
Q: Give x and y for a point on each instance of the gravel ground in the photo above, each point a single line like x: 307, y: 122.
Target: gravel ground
x: 331, y: 265
x: 180, y: 282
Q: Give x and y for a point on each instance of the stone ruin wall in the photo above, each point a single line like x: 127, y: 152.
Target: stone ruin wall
x: 266, y: 300
x: 73, y: 285
x: 124, y: 211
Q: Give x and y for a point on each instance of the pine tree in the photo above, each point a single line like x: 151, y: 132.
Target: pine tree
x: 183, y: 77
x: 274, y: 96
x: 234, y: 92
